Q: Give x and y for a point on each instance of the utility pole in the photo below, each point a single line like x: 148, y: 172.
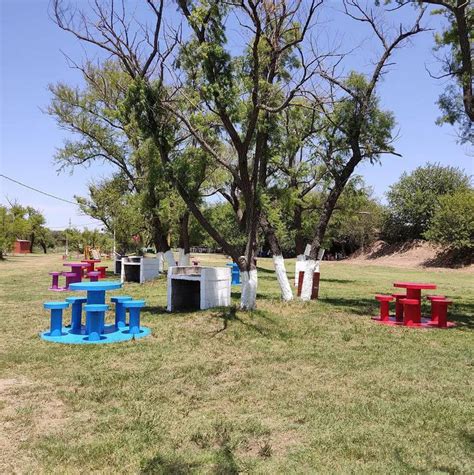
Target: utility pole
x: 67, y: 244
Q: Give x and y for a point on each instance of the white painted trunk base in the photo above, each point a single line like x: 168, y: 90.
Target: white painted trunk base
x: 169, y: 257
x: 161, y: 261
x: 309, y: 269
x: 280, y: 270
x: 183, y: 259
x: 248, y: 298
x: 299, y: 267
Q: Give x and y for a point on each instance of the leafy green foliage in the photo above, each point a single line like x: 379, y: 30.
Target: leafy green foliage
x: 453, y: 222
x: 414, y: 200
x: 111, y: 202
x: 19, y: 222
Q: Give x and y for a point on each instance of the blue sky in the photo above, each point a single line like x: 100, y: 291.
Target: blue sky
x: 31, y: 58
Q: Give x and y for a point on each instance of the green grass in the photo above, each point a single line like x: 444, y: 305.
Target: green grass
x: 289, y: 388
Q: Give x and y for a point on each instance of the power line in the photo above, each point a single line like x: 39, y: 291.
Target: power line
x: 79, y: 225
x: 38, y: 191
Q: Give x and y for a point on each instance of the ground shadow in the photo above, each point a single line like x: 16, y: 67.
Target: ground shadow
x: 385, y: 249
x: 450, y: 258
x: 461, y: 314
x: 159, y: 464
x: 229, y: 314
x: 361, y: 306
x: 236, y: 295
x: 337, y: 281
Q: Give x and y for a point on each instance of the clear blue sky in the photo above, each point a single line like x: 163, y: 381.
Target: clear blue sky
x: 31, y: 58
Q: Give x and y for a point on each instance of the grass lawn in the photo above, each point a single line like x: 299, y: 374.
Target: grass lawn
x: 290, y: 388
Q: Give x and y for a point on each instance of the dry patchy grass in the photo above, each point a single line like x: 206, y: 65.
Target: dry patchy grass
x: 289, y: 388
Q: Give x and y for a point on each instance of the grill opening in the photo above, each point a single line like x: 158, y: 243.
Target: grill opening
x: 186, y: 295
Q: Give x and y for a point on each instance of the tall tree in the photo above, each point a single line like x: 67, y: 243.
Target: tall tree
x: 94, y: 117
x: 457, y: 101
x: 356, y: 129
x: 242, y: 92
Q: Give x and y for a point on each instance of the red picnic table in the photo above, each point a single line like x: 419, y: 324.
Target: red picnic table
x: 414, y: 292
x: 90, y: 263
x: 76, y: 268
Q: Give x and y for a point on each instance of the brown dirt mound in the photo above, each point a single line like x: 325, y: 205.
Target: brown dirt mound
x: 416, y: 253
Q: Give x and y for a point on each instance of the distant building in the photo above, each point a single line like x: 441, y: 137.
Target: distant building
x: 22, y: 246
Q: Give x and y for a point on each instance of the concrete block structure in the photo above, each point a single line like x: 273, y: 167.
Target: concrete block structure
x: 198, y: 288
x: 139, y: 269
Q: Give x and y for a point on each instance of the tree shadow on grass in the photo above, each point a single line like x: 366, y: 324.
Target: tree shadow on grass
x: 410, y: 468
x: 337, y: 281
x: 461, y: 314
x: 263, y: 270
x: 362, y: 306
x: 236, y: 295
x: 159, y: 464
x: 229, y: 314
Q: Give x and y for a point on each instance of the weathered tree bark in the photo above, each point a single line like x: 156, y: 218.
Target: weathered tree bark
x: 297, y: 226
x: 278, y: 260
x: 183, y: 259
x: 160, y: 240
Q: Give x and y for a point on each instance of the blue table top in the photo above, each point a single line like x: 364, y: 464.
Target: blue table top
x: 100, y: 285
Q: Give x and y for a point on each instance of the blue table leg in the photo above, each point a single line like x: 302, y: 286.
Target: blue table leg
x: 76, y: 317
x: 95, y: 324
x: 120, y: 315
x: 56, y: 322
x: 134, y: 323
x: 97, y: 297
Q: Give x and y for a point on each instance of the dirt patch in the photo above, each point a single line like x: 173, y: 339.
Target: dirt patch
x: 416, y: 253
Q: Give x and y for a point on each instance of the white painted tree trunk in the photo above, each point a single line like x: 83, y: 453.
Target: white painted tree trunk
x: 298, y: 266
x: 282, y: 277
x: 170, y: 258
x: 183, y: 259
x: 248, y: 298
x: 161, y: 262
x: 307, y: 287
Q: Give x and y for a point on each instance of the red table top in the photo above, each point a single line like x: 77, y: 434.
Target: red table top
x: 75, y: 264
x: 414, y: 285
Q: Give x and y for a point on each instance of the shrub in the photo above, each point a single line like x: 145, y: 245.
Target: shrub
x: 414, y: 199
x: 453, y: 221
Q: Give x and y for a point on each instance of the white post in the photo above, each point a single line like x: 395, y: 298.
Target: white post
x: 280, y: 270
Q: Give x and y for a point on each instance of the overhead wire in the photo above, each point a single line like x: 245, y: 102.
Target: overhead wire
x: 38, y: 191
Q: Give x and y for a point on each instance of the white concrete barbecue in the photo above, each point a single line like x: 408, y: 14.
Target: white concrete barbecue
x: 139, y: 269
x: 198, y: 288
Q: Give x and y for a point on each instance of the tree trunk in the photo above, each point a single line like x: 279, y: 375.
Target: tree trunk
x: 312, y: 263
x: 32, y: 241
x: 160, y: 240
x: 278, y: 261
x: 43, y: 245
x: 184, y: 259
x: 297, y: 226
x: 161, y: 261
